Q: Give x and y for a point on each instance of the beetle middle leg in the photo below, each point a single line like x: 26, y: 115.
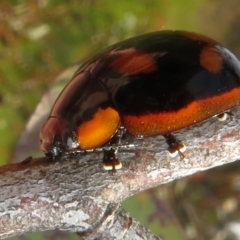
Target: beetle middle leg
x: 174, y: 146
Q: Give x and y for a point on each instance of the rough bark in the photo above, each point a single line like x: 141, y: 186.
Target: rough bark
x: 74, y: 193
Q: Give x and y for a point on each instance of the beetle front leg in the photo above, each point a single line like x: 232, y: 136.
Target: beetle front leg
x: 110, y: 162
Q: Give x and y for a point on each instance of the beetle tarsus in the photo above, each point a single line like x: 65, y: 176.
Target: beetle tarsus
x: 224, y: 116
x: 175, y: 147
x: 110, y: 162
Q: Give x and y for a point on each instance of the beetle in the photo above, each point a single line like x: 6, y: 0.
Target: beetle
x: 152, y: 84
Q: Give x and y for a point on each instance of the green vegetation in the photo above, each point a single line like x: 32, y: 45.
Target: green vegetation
x: 38, y: 39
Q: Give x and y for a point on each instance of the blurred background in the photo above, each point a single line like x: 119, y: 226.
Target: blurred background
x: 42, y: 42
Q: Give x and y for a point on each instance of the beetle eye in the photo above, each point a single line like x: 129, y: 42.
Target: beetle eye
x: 55, y: 151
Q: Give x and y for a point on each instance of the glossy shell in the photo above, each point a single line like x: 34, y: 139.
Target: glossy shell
x: 152, y: 84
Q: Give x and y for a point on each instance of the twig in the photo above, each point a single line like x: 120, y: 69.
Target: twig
x: 74, y: 193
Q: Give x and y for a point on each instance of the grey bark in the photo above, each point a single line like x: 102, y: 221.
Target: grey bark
x: 74, y: 193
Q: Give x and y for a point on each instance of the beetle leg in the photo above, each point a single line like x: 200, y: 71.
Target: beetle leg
x: 174, y: 146
x: 117, y: 138
x: 110, y: 162
x: 120, y: 133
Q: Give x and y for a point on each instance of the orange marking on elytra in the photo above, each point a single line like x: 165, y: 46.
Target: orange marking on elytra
x: 211, y: 59
x: 98, y: 130
x: 131, y: 61
x: 166, y: 122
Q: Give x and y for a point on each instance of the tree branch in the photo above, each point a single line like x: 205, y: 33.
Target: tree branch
x: 73, y: 193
